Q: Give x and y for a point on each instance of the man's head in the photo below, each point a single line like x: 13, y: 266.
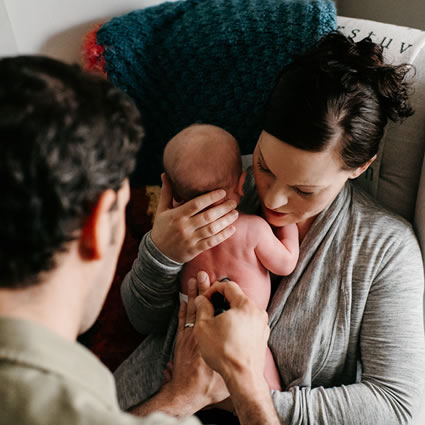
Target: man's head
x: 202, y: 158
x: 66, y: 139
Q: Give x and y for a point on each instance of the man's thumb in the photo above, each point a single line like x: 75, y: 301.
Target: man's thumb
x: 204, y: 309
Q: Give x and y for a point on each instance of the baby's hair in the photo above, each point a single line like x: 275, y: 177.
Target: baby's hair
x: 194, y: 162
x: 341, y: 92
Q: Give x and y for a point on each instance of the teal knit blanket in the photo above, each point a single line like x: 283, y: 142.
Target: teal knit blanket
x: 210, y: 61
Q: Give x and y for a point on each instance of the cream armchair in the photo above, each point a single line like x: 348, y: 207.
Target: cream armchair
x: 397, y: 178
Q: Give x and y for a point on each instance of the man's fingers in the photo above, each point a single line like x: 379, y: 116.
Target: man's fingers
x: 166, y: 195
x: 231, y: 291
x: 203, y: 282
x: 204, y: 309
x: 191, y: 307
x: 182, y: 315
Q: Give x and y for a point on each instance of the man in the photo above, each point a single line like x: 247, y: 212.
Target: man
x: 68, y: 142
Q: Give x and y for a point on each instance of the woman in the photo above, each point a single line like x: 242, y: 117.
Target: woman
x: 346, y: 325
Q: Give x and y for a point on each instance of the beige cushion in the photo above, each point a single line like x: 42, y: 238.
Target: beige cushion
x: 397, y: 178
x: 394, y: 177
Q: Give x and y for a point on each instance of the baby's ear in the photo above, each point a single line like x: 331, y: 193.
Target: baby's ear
x: 241, y: 183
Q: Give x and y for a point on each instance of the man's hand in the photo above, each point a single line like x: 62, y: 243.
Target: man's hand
x: 234, y: 344
x: 191, y: 376
x: 234, y: 341
x: 190, y: 384
x: 183, y: 232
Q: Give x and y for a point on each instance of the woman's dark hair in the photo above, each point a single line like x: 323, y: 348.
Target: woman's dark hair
x: 339, y: 92
x: 65, y: 137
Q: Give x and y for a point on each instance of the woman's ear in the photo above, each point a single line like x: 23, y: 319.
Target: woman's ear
x: 96, y: 235
x: 241, y: 182
x: 360, y: 170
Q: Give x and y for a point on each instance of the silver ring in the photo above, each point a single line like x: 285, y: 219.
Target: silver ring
x: 189, y: 325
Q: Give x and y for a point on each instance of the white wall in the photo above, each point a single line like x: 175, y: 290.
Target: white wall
x: 56, y: 27
x: 408, y: 13
x: 7, y: 39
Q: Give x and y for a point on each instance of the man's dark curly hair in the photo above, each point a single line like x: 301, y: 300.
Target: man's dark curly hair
x: 65, y: 137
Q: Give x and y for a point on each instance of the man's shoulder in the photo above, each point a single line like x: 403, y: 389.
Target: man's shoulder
x: 38, y: 400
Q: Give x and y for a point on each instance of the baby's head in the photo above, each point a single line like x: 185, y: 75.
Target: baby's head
x: 202, y: 158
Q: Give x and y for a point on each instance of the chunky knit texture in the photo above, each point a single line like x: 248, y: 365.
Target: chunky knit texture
x: 212, y: 61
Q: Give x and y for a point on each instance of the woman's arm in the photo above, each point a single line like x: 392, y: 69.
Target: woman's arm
x: 149, y: 290
x: 178, y: 235
x: 391, y: 351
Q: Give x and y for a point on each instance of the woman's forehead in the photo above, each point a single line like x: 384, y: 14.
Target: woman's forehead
x: 297, y: 166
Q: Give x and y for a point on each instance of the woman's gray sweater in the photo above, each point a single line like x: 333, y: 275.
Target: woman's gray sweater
x: 346, y: 326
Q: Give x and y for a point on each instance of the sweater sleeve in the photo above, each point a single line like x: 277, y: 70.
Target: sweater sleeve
x: 391, y: 354
x: 149, y: 290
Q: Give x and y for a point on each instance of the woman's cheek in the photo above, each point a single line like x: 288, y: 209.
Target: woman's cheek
x: 306, y: 208
x: 262, y: 186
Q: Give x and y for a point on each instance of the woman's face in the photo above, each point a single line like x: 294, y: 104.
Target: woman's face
x: 295, y: 185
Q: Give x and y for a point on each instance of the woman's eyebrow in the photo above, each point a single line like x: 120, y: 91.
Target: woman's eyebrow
x: 304, y: 186
x: 308, y: 186
x: 262, y: 158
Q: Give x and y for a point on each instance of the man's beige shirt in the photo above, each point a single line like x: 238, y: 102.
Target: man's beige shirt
x: 47, y: 380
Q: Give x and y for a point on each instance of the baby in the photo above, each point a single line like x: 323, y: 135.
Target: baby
x: 202, y: 158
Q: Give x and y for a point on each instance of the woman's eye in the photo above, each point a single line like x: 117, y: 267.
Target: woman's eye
x: 302, y: 193
x: 262, y: 168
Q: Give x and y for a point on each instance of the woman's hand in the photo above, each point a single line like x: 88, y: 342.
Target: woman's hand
x: 183, y: 232
x: 190, y: 376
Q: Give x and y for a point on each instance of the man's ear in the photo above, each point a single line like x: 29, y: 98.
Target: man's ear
x: 360, y: 170
x: 96, y: 234
x: 241, y: 182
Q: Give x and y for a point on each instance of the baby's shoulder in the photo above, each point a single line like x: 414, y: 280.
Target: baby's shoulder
x: 252, y: 221
x: 251, y: 229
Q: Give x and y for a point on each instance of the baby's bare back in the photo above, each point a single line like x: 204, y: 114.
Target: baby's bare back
x: 235, y: 259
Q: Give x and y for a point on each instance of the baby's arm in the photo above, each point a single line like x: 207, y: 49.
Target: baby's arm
x: 277, y: 254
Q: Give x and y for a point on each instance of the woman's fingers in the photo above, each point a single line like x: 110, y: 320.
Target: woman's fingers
x: 215, y: 240
x: 199, y: 203
x: 165, y: 196
x: 216, y: 226
x: 210, y: 218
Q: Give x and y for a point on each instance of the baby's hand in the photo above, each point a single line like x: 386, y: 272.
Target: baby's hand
x: 184, y: 232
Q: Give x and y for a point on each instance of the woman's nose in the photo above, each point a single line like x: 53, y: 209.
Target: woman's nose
x: 275, y: 197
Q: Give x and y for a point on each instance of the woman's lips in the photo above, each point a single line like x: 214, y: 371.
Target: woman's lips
x: 274, y: 213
